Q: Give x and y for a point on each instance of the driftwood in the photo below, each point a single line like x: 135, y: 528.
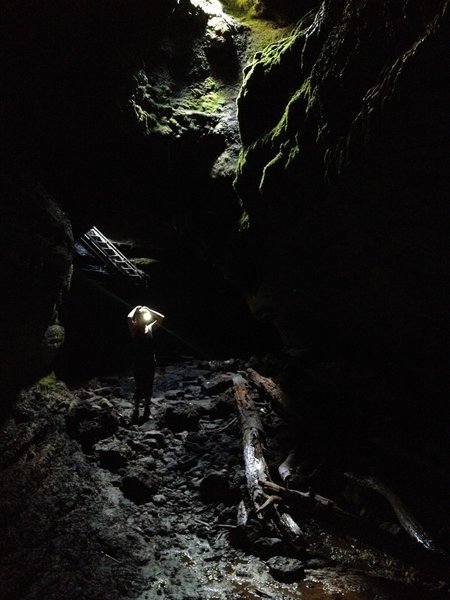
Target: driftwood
x: 256, y: 469
x: 270, y: 389
x: 409, y: 523
x: 306, y: 499
x: 285, y: 468
x: 242, y: 514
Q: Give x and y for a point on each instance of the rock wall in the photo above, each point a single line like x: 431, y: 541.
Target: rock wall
x: 62, y: 70
x: 35, y: 270
x: 344, y: 183
x: 125, y: 115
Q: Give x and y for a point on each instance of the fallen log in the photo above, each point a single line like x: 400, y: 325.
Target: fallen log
x: 256, y: 469
x: 409, y: 523
x: 269, y: 389
x: 285, y: 468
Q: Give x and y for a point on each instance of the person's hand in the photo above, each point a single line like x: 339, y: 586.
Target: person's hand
x: 135, y: 313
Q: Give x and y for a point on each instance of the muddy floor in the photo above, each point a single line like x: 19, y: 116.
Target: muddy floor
x: 96, y: 507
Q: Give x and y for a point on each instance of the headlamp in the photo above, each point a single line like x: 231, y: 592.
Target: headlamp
x: 147, y: 317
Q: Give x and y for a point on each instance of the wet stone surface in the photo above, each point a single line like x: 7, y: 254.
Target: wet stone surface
x: 96, y: 507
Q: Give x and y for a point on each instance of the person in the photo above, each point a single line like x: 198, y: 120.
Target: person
x: 141, y: 323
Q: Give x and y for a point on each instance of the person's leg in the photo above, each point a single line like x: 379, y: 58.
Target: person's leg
x: 149, y: 391
x: 136, y: 408
x: 139, y: 393
x: 146, y: 414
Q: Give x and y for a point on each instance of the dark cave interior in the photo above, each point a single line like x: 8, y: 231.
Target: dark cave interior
x: 279, y: 172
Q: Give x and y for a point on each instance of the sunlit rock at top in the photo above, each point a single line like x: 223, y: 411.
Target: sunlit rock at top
x: 211, y: 7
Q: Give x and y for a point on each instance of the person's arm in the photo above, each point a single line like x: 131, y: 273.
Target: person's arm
x: 131, y: 320
x: 158, y: 317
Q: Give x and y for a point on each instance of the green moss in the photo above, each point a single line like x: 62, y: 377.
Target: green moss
x: 48, y: 383
x: 209, y: 103
x: 244, y: 221
x: 264, y: 32
x: 294, y: 112
x: 273, y: 165
x: 150, y: 122
x: 206, y: 96
x: 293, y: 155
x: 239, y: 8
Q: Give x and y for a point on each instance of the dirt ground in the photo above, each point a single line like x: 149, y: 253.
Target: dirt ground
x: 95, y: 507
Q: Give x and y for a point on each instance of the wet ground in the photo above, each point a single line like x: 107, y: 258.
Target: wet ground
x: 96, y: 507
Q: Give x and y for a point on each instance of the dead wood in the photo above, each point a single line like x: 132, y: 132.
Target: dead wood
x: 256, y: 469
x: 306, y: 499
x: 271, y: 390
x: 242, y: 514
x: 285, y: 468
x: 409, y: 523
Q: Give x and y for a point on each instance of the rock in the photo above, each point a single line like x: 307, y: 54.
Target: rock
x: 217, y: 385
x: 194, y: 390
x: 181, y: 418
x: 222, y: 407
x: 147, y: 462
x: 173, y: 394
x: 295, y: 142
x: 286, y: 570
x: 159, y: 499
x: 89, y: 424
x: 36, y: 242
x: 215, y: 488
x: 195, y: 374
x: 112, y: 453
x: 156, y: 436
x: 138, y: 485
x: 267, y: 546
x: 187, y: 463
x: 203, y: 405
x: 316, y: 562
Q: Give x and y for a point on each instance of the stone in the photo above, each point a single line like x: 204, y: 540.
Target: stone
x: 89, y: 424
x: 215, y: 488
x: 286, y: 570
x: 159, y: 499
x: 138, y: 485
x: 181, y: 418
x: 156, y: 436
x: 148, y: 462
x: 317, y: 562
x: 194, y: 390
x: 173, y: 394
x: 222, y: 407
x: 112, y: 453
x: 217, y: 385
x: 267, y: 546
